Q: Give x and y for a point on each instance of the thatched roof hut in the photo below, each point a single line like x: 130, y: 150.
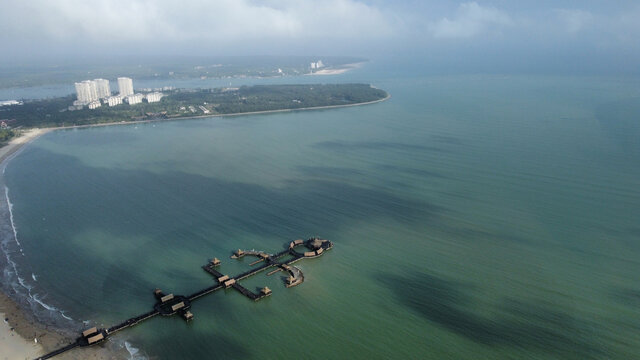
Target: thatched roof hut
x: 215, y: 262
x: 89, y: 332
x: 166, y: 298
x: 95, y: 339
x: 315, y: 243
x: 229, y: 282
x: 223, y: 278
x: 177, y: 306
x: 265, y: 290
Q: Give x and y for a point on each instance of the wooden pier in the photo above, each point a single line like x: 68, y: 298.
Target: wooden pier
x: 170, y: 304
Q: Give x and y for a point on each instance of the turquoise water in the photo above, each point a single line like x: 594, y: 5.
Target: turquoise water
x: 473, y: 217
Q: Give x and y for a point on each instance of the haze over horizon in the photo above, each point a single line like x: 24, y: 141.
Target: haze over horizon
x: 460, y: 36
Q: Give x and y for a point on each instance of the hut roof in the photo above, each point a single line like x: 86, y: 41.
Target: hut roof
x: 91, y: 331
x: 177, y: 306
x: 316, y: 243
x: 166, y: 298
x: 96, y: 338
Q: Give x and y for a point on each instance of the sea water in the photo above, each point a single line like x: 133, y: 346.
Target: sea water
x: 473, y: 217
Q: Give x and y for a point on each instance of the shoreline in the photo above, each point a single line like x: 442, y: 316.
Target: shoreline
x: 217, y: 115
x: 341, y: 69
x: 21, y: 325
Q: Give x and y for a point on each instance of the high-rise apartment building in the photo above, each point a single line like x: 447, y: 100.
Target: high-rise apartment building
x: 86, y: 91
x: 125, y: 86
x: 102, y: 88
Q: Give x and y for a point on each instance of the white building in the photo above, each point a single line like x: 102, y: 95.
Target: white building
x: 317, y: 65
x: 125, y: 86
x: 114, y: 100
x: 94, y: 104
x: 154, y: 96
x: 102, y: 88
x: 86, y: 92
x: 134, y: 99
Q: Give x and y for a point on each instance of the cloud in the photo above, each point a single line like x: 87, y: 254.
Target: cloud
x: 470, y: 20
x: 574, y: 20
x: 228, y: 20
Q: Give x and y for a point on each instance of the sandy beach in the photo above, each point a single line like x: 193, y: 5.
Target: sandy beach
x: 16, y: 143
x: 337, y: 71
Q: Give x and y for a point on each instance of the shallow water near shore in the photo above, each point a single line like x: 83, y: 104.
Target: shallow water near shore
x: 473, y: 217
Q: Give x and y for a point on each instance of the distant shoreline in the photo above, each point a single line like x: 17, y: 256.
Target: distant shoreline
x: 31, y: 134
x: 341, y: 69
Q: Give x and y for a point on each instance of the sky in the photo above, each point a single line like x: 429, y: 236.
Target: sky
x: 522, y: 35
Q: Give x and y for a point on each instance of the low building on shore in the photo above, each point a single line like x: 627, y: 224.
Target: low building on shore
x: 154, y: 96
x: 94, y: 105
x: 114, y: 100
x: 134, y: 99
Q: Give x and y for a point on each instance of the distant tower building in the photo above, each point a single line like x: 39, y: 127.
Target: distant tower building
x: 93, y: 92
x: 86, y: 91
x: 125, y: 85
x: 102, y: 88
x: 82, y: 91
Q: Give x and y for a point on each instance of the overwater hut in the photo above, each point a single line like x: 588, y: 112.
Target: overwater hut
x: 166, y: 298
x: 319, y: 251
x: 158, y: 292
x: 239, y: 253
x: 177, y: 306
x: 224, y: 278
x: 89, y: 332
x: 95, y: 339
x: 187, y: 315
x: 229, y: 282
x: 291, y: 280
x: 297, y: 242
x: 310, y: 253
x: 315, y: 243
x: 265, y: 290
x: 215, y: 262
x: 263, y: 255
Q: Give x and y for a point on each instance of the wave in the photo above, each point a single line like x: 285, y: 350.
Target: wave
x: 13, y: 225
x: 134, y: 352
x: 18, y: 283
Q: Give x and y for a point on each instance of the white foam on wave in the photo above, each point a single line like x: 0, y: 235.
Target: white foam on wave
x: 13, y: 225
x: 13, y: 266
x: 134, y: 352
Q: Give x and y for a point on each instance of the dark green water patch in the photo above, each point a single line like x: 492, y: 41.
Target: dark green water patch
x: 523, y: 324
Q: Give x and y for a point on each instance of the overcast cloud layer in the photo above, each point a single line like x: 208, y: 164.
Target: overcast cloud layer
x: 34, y: 28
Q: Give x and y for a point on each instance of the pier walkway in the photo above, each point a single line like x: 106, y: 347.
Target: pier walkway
x: 170, y: 304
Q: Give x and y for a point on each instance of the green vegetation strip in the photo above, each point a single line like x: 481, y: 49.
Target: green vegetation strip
x: 184, y: 103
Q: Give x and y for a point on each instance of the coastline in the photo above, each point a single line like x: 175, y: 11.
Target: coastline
x: 218, y: 115
x: 21, y: 326
x: 338, y: 70
x: 16, y: 143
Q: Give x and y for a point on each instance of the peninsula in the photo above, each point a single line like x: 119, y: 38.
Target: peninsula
x: 189, y: 103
